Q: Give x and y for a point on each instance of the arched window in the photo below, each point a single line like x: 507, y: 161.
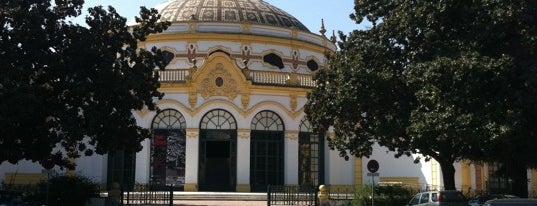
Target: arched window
x: 266, y: 151
x: 267, y: 121
x: 218, y: 119
x: 168, y: 149
x: 169, y: 119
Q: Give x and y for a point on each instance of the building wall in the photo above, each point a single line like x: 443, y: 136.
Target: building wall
x: 398, y: 168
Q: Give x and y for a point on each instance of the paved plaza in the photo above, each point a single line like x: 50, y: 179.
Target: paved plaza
x: 218, y: 203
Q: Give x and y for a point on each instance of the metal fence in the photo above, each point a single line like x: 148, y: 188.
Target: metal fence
x: 292, y: 195
x: 147, y: 196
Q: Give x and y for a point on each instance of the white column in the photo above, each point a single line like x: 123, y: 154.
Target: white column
x: 243, y: 160
x: 291, y: 158
x: 192, y: 159
x: 142, y: 163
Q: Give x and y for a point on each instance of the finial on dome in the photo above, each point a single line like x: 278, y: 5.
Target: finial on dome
x: 323, y: 30
x: 333, y: 38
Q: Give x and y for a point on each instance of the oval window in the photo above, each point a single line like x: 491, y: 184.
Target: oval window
x: 219, y: 81
x: 312, y: 65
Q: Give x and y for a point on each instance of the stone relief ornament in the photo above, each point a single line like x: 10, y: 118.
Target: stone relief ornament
x: 219, y: 82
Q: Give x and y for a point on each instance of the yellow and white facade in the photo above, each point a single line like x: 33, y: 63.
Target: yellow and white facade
x: 238, y: 78
x: 232, y: 117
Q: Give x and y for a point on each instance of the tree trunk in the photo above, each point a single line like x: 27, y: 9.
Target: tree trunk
x: 448, y: 174
x: 518, y: 173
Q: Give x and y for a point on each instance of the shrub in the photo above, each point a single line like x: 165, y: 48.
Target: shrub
x: 384, y: 196
x: 66, y: 190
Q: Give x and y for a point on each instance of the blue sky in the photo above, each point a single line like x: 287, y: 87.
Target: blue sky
x: 309, y: 12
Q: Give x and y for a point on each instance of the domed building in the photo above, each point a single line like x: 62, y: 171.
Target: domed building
x: 232, y: 117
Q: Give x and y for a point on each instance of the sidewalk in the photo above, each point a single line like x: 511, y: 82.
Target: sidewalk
x: 218, y: 203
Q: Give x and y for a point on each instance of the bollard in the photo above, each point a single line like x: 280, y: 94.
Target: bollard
x: 323, y: 196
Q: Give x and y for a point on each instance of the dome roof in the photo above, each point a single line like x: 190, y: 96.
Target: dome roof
x: 228, y: 11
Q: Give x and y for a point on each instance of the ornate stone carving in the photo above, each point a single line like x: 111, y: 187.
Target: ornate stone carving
x: 219, y: 82
x: 192, y: 99
x: 245, y: 54
x: 292, y: 79
x: 243, y: 133
x: 293, y: 102
x: 192, y: 133
x: 191, y: 54
x: 295, y: 61
x: 245, y: 100
x: 291, y: 135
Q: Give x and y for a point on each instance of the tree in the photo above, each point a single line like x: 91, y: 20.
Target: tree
x: 450, y: 80
x: 68, y: 90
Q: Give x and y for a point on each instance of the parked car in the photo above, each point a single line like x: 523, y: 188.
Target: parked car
x: 481, y: 199
x: 440, y: 198
x: 515, y: 201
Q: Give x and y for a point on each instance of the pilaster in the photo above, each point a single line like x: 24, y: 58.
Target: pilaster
x: 358, y: 172
x: 466, y: 181
x: 291, y: 157
x: 243, y: 160
x: 192, y: 159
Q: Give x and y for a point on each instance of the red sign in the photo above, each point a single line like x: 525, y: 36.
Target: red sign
x: 373, y: 166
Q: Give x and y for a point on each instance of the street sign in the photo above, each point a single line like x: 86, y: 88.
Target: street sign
x: 373, y: 166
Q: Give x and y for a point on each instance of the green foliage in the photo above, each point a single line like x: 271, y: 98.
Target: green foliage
x: 66, y: 85
x: 384, y: 195
x: 66, y: 190
x: 451, y: 80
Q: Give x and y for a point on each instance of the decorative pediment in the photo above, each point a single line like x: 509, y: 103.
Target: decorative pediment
x: 219, y: 82
x: 220, y: 76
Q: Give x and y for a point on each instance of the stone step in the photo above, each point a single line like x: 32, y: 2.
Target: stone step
x: 241, y: 196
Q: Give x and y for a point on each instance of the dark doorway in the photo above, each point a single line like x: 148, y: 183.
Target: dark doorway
x: 266, y: 160
x: 217, y: 161
x: 266, y: 151
x: 217, y: 152
x: 217, y: 172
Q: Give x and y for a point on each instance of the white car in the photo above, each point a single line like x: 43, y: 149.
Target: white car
x: 438, y: 198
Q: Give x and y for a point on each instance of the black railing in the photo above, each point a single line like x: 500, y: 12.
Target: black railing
x: 147, y: 196
x: 292, y: 195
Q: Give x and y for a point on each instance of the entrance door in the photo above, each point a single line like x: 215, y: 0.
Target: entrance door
x: 217, y: 166
x: 266, y: 160
x: 217, y: 152
x: 266, y: 151
x: 217, y: 160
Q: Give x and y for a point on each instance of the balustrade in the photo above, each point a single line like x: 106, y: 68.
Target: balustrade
x: 257, y: 77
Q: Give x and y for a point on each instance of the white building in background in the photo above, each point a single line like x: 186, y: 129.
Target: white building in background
x: 232, y: 117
